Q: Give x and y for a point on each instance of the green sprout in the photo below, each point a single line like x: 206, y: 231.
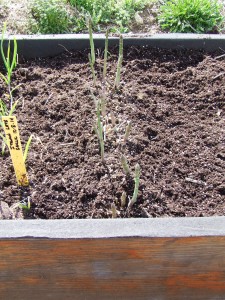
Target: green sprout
x: 27, y: 147
x: 125, y: 165
x: 10, y: 62
x: 9, y: 65
x: 127, y: 131
x: 99, y: 130
x: 136, y: 185
x: 92, y: 68
x: 91, y: 42
x: 119, y: 64
x: 106, y: 54
x: 114, y: 211
x: 123, y: 199
x: 25, y: 206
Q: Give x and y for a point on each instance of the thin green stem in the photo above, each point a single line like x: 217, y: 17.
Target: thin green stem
x: 92, y: 69
x: 100, y: 131
x: 106, y: 54
x: 119, y: 64
x: 91, y: 42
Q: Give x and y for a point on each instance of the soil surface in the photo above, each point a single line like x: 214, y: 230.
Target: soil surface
x: 175, y: 102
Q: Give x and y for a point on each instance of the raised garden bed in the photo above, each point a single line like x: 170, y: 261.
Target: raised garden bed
x: 175, y: 100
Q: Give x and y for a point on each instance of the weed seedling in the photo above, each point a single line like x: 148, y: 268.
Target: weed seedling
x: 24, y: 205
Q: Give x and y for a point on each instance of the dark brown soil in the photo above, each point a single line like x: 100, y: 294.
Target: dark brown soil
x: 175, y: 101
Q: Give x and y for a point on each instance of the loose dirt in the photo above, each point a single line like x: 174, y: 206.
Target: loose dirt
x: 175, y: 101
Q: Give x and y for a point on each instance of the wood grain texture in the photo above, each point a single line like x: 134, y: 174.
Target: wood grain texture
x: 120, y: 268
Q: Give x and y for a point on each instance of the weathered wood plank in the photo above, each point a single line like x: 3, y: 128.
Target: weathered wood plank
x: 120, y: 268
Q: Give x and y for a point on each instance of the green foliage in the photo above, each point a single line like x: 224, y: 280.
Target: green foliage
x: 198, y: 16
x: 10, y: 62
x: 50, y: 16
x: 27, y: 148
x: 117, y: 13
x: 91, y: 42
x: 99, y: 131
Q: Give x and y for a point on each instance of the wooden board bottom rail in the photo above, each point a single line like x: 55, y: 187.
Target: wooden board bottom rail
x: 118, y: 268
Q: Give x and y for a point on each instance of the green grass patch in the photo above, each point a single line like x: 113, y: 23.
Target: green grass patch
x: 49, y: 17
x: 116, y: 14
x: 197, y: 16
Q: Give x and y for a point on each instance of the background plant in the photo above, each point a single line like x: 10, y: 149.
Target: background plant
x: 198, y: 16
x: 50, y: 16
x: 117, y: 13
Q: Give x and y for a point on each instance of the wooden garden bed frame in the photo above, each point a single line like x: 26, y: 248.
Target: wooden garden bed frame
x: 164, y: 258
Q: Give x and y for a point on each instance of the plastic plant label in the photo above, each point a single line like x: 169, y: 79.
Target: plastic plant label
x: 13, y: 139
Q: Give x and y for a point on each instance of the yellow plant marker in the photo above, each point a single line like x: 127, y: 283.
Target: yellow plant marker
x: 13, y: 139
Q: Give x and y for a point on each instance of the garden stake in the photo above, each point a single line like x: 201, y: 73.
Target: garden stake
x: 5, y: 112
x: 13, y: 141
x: 136, y: 186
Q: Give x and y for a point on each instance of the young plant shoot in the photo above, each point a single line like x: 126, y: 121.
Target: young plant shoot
x: 123, y: 199
x: 10, y: 66
x: 91, y: 42
x: 114, y: 211
x: 27, y: 148
x: 125, y: 165
x: 136, y: 185
x: 92, y: 69
x: 99, y: 130
x: 10, y: 62
x: 119, y: 64
x: 105, y: 54
x: 127, y: 132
